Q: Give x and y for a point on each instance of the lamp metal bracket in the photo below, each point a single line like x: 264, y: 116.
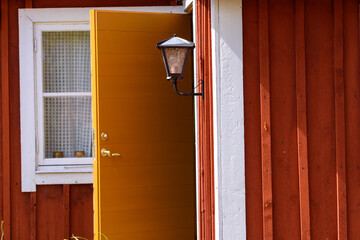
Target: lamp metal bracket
x: 174, y: 81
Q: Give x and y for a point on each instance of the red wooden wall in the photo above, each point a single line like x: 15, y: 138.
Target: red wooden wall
x: 302, y: 116
x: 53, y: 212
x: 302, y: 95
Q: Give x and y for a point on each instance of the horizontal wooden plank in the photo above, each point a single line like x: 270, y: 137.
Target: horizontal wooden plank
x: 147, y: 132
x: 125, y: 87
x: 148, y: 220
x: 147, y: 198
x: 142, y: 65
x: 139, y: 87
x: 136, y: 21
x: 155, y: 235
x: 115, y: 42
x: 146, y: 109
x: 149, y: 175
x: 150, y: 154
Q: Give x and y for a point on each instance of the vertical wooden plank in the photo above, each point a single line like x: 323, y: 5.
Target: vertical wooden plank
x: 352, y: 117
x: 285, y: 181
x: 302, y: 120
x: 81, y: 210
x: 340, y: 119
x: 202, y: 209
x: 50, y: 215
x: 320, y: 117
x: 205, y: 130
x: 20, y: 202
x: 5, y: 116
x: 33, y: 216
x: 28, y: 3
x: 23, y: 205
x: 265, y: 120
x: 252, y: 122
x: 66, y: 206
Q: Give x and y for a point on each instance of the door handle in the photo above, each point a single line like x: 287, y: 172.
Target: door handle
x: 106, y: 153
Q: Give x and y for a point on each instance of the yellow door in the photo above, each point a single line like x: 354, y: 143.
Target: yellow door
x: 147, y: 193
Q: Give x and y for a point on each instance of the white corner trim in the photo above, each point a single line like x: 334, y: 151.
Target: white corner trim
x: 82, y: 14
x: 229, y: 150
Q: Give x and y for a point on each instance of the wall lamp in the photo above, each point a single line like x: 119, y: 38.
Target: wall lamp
x: 175, y: 52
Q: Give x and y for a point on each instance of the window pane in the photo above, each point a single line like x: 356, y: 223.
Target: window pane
x: 67, y: 126
x: 66, y: 61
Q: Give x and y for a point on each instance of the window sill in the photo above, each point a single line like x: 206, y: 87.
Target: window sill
x: 76, y: 174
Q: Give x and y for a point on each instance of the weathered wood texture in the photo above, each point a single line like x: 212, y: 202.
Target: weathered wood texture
x: 53, y: 212
x: 313, y: 56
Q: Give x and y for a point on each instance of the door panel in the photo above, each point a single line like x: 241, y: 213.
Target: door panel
x: 149, y: 192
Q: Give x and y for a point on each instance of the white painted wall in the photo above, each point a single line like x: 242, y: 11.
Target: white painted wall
x: 228, y: 120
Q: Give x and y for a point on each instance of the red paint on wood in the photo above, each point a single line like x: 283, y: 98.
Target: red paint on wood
x: 20, y: 203
x: 317, y: 108
x: 283, y: 147
x: 33, y: 216
x: 265, y: 120
x: 5, y: 117
x: 28, y: 3
x: 301, y: 120
x: 252, y: 121
x: 340, y: 119
x: 97, y: 3
x: 352, y: 115
x: 320, y: 113
x: 66, y: 206
x: 50, y: 214
x: 205, y: 141
x: 320, y: 118
x: 80, y: 203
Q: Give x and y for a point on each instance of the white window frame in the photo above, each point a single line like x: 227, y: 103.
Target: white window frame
x: 38, y: 52
x: 32, y: 173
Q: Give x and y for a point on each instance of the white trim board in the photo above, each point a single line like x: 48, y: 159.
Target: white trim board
x: 229, y: 156
x: 27, y: 20
x: 82, y: 14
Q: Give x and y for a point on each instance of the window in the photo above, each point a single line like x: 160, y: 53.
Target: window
x: 55, y: 92
x: 63, y: 94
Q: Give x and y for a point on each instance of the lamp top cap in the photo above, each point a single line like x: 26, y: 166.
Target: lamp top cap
x: 175, y: 42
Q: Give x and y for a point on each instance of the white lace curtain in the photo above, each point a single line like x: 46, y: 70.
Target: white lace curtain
x: 66, y: 69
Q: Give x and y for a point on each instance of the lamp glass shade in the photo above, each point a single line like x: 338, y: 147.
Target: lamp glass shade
x: 175, y: 58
